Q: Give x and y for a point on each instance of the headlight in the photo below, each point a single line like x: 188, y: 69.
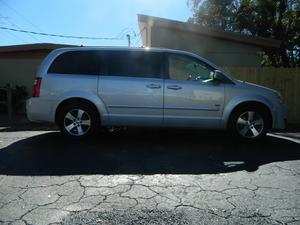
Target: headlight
x: 278, y: 97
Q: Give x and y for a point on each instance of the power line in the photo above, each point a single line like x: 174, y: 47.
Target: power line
x: 140, y: 36
x: 16, y: 37
x: 137, y: 42
x: 28, y: 21
x: 23, y: 17
x: 120, y: 36
x: 125, y: 31
x: 14, y: 25
x: 59, y: 35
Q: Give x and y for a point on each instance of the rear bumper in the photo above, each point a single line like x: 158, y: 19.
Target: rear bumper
x: 38, y: 110
x: 280, y: 118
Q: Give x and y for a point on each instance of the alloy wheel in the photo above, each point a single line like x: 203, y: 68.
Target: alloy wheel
x: 250, y: 124
x: 77, y: 122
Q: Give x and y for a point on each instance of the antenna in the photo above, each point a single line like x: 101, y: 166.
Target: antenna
x: 128, y: 38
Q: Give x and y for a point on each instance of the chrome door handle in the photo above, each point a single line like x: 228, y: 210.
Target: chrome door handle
x: 153, y: 86
x: 174, y: 87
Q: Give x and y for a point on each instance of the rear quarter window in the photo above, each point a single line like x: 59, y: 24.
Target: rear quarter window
x: 77, y: 62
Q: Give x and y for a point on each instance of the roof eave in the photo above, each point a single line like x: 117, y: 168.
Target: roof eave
x: 197, y: 29
x: 32, y: 47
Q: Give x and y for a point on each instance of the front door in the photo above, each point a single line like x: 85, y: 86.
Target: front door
x: 192, y: 98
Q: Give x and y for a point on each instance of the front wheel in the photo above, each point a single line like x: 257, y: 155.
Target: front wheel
x: 78, y: 121
x: 250, y: 123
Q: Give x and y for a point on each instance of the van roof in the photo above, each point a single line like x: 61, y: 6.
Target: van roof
x: 120, y: 48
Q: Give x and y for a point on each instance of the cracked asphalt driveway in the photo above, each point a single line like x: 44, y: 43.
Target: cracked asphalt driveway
x: 148, y: 177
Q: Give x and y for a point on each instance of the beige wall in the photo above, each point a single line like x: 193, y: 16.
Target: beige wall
x: 220, y: 52
x: 284, y: 80
x: 19, y: 71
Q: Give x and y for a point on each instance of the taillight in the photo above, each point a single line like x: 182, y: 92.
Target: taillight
x: 37, y: 87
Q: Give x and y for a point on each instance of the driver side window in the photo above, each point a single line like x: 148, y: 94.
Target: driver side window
x: 187, y: 68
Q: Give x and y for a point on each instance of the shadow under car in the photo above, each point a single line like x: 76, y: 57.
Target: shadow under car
x: 142, y: 151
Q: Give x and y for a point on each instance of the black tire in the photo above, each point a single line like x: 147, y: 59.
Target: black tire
x: 83, y: 126
x: 241, y: 126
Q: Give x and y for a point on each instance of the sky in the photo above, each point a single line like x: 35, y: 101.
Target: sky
x: 92, y: 18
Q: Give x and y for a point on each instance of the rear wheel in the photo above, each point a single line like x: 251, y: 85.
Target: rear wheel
x: 78, y: 120
x: 250, y: 123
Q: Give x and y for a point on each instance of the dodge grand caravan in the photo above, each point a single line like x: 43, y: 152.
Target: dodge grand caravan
x: 84, y: 88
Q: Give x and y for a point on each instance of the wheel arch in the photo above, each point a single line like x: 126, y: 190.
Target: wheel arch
x: 74, y: 100
x: 229, y: 112
x: 94, y: 101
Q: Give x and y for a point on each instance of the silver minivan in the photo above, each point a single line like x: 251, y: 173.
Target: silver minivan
x: 84, y: 88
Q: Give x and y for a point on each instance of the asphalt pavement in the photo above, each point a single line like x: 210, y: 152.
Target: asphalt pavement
x: 148, y: 176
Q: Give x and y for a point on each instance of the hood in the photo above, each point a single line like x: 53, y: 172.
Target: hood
x: 249, y: 85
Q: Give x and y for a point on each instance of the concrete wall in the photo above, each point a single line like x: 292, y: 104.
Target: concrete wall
x: 220, y: 52
x: 19, y: 71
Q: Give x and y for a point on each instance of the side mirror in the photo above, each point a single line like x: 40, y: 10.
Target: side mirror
x: 218, y: 76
